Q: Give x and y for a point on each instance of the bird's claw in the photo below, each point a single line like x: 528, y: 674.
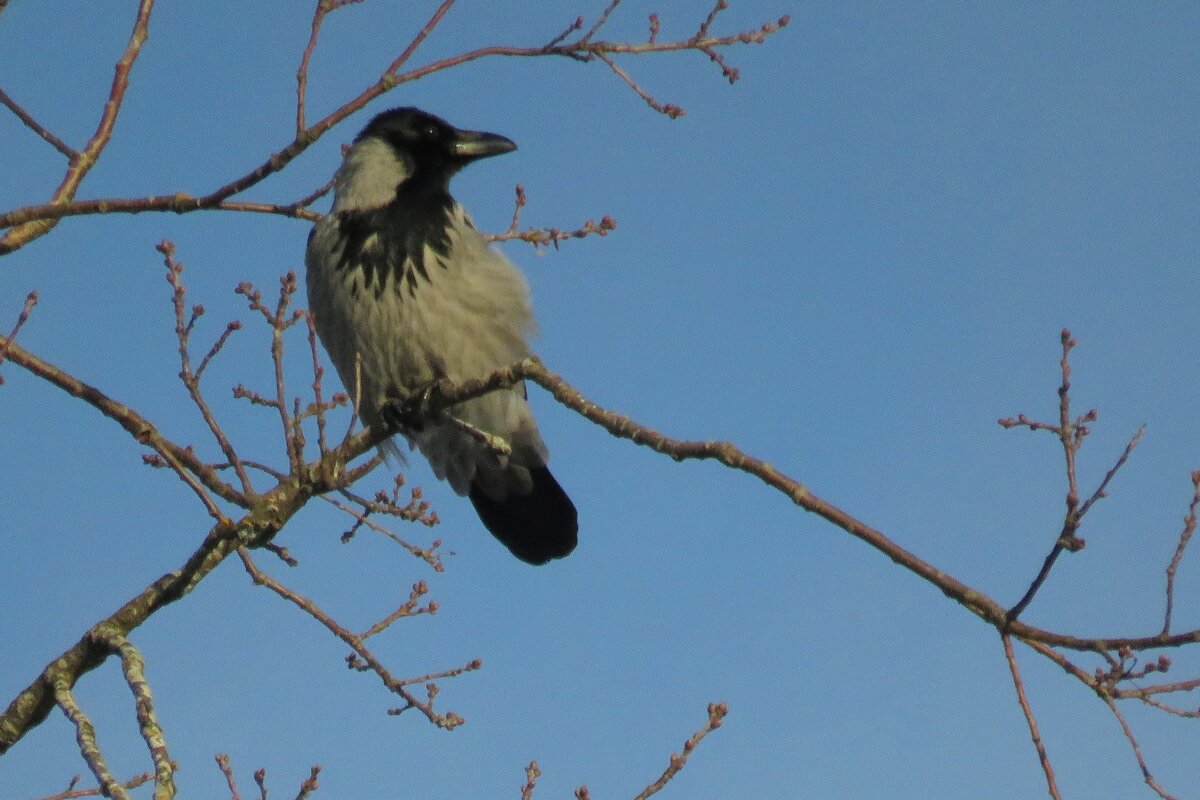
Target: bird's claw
x: 410, y: 411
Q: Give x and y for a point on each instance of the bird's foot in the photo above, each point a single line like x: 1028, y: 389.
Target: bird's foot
x: 409, y: 409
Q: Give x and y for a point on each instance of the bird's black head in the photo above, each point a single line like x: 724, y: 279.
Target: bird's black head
x: 432, y: 148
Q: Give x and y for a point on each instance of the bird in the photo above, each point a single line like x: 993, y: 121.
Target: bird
x: 405, y: 291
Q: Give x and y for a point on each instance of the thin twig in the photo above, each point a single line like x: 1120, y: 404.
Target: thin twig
x: 670, y: 109
x: 448, y: 721
x: 180, y: 202
x: 1070, y: 432
x: 310, y: 784
x: 31, y: 300
x: 408, y: 609
x: 1030, y: 720
x: 71, y: 793
x: 230, y: 780
x: 280, y: 321
x: 136, y: 425
x: 1189, y: 527
x: 717, y: 8
x: 318, y: 382
x: 417, y: 40
x: 1147, y: 775
x: 1068, y: 538
x: 532, y: 773
x: 33, y: 125
x: 84, y: 160
x: 323, y: 8
x: 310, y: 198
x: 471, y: 666
x: 574, y: 26
x: 1175, y: 711
x: 191, y: 379
x: 540, y: 237
x: 600, y: 20
x: 716, y: 715
x: 416, y: 511
x: 1102, y: 489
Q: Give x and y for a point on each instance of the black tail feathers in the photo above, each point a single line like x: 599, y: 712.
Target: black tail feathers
x: 535, y: 527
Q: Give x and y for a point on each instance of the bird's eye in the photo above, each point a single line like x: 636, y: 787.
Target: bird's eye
x: 429, y: 132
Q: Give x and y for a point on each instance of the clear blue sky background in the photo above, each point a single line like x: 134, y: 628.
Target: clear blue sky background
x: 851, y: 263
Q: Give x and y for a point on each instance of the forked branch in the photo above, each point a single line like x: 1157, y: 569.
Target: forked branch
x: 27, y: 223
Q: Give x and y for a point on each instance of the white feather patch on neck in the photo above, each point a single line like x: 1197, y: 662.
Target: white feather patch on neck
x: 368, y: 177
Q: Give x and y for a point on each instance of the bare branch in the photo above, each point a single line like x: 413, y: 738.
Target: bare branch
x: 1030, y: 720
x: 718, y: 7
x: 1189, y: 527
x: 323, y: 8
x: 574, y: 26
x: 532, y: 773
x: 84, y: 160
x: 540, y: 237
x: 409, y: 609
x: 670, y: 109
x: 443, y: 394
x: 45, y: 216
x: 309, y: 785
x: 361, y: 653
x: 270, y: 512
x: 33, y: 125
x: 417, y: 40
x: 181, y: 459
x: 85, y: 735
x: 318, y: 383
x: 1068, y: 539
x: 1070, y: 432
x: 716, y: 715
x: 280, y: 321
x: 230, y: 781
x: 600, y: 21
x: 1147, y: 775
x: 31, y: 300
x: 417, y: 510
x: 310, y: 198
x: 71, y: 793
x: 134, y: 668
x: 267, y: 515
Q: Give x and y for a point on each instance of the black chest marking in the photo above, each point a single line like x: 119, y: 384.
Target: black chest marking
x: 387, y: 244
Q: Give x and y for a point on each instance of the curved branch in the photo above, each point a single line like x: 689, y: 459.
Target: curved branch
x: 135, y: 424
x: 34, y: 221
x: 266, y: 515
x: 84, y: 160
x: 443, y: 394
x: 269, y: 513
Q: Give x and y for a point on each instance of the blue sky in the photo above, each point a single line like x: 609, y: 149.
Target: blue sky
x: 851, y: 263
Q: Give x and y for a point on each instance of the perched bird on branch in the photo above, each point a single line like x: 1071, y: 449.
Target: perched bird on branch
x: 405, y: 291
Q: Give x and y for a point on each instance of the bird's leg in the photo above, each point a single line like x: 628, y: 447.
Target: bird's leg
x: 409, y: 413
x: 405, y: 410
x: 410, y: 409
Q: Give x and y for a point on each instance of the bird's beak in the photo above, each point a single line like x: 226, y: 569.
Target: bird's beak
x: 470, y: 145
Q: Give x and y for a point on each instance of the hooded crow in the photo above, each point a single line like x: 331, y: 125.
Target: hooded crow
x: 404, y: 291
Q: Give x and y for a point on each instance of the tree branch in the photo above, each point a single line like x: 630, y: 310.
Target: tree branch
x: 31, y: 300
x: 82, y: 161
x: 32, y: 221
x: 36, y: 127
x: 1030, y: 720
